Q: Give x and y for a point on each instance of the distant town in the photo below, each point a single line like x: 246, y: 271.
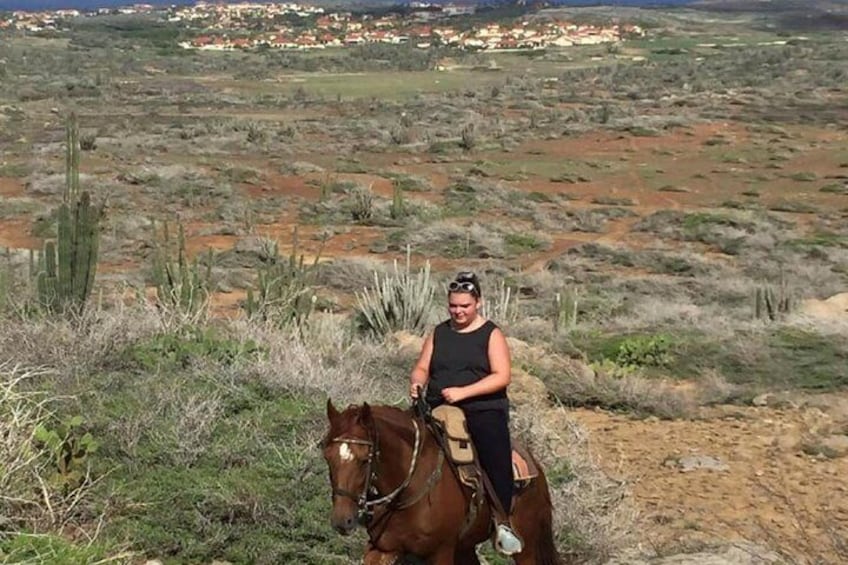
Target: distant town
x: 223, y: 27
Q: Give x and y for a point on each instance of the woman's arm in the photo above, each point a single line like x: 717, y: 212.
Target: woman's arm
x: 498, y: 379
x: 421, y: 372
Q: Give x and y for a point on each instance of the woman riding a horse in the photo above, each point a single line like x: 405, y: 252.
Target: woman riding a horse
x: 390, y: 474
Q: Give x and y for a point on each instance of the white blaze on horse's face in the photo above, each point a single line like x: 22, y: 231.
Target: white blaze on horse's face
x: 345, y: 453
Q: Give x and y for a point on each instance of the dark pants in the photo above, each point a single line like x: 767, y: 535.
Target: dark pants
x: 489, y: 431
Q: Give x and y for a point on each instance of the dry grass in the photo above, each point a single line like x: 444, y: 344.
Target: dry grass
x: 77, y: 346
x: 323, y: 358
x: 350, y: 274
x: 21, y: 412
x: 630, y: 392
x: 592, y: 513
x: 29, y: 499
x: 185, y: 422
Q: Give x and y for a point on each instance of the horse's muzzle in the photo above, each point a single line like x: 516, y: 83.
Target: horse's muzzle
x: 344, y: 526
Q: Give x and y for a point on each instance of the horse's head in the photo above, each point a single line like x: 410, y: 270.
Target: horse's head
x: 349, y: 449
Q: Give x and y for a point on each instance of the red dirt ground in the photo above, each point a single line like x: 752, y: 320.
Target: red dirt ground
x: 11, y: 188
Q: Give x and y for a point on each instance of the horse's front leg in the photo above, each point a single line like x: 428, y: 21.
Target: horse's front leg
x: 376, y: 557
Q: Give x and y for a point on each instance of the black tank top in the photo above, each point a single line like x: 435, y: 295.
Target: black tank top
x: 460, y: 359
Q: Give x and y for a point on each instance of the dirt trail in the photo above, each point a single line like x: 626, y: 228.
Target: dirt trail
x: 764, y: 487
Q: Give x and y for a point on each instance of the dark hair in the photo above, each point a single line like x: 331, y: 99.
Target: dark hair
x: 466, y: 281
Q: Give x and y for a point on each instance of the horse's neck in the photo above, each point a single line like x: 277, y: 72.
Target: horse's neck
x: 396, y: 440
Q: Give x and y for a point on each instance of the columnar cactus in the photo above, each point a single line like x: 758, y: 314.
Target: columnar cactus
x: 770, y: 304
x: 565, y: 310
x: 284, y: 289
x: 68, y: 266
x: 180, y: 283
x: 398, y: 209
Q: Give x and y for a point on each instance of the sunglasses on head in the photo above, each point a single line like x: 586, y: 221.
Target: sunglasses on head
x: 462, y: 286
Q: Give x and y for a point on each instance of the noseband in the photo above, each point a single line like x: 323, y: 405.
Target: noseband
x: 364, y: 505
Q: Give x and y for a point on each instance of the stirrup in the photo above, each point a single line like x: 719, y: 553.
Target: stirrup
x: 507, y: 541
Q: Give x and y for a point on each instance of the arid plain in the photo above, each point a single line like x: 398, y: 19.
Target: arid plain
x: 660, y: 183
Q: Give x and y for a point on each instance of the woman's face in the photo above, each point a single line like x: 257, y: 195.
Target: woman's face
x: 462, y: 307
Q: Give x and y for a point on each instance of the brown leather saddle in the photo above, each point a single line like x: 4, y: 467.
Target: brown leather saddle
x: 460, y: 450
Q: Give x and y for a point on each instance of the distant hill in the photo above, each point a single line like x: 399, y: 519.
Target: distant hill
x: 93, y: 4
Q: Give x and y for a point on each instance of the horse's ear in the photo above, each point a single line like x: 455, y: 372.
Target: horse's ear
x: 332, y: 413
x: 365, y: 414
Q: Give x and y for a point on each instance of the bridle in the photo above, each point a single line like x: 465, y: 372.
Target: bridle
x: 365, y: 505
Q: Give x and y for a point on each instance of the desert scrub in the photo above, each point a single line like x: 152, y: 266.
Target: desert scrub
x: 775, y: 357
x: 729, y: 232
x: 469, y: 195
x: 21, y: 413
x: 518, y: 243
x: 629, y: 351
x: 178, y: 349
x: 474, y: 241
x: 236, y: 478
x: 408, y: 183
x: 359, y: 205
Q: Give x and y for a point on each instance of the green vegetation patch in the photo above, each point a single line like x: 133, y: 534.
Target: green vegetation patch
x: 256, y: 494
x: 776, y: 358
x: 41, y: 548
x: 728, y: 231
x: 655, y: 261
x: 835, y: 188
x: 178, y: 350
x: 630, y: 351
x: 15, y: 170
x: 820, y: 239
x: 520, y: 243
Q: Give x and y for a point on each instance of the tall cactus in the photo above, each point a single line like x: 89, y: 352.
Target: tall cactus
x: 68, y: 266
x: 284, y: 288
x: 398, y: 209
x: 770, y: 304
x: 5, y: 279
x: 180, y: 284
x: 565, y: 306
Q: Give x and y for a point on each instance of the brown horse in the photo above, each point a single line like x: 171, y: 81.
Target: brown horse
x: 388, y: 473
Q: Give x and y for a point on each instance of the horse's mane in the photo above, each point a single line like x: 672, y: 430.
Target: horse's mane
x: 396, y: 419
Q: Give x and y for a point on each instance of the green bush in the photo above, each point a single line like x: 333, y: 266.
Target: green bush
x: 179, y: 349
x: 69, y: 449
x: 522, y: 243
x: 645, y: 351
